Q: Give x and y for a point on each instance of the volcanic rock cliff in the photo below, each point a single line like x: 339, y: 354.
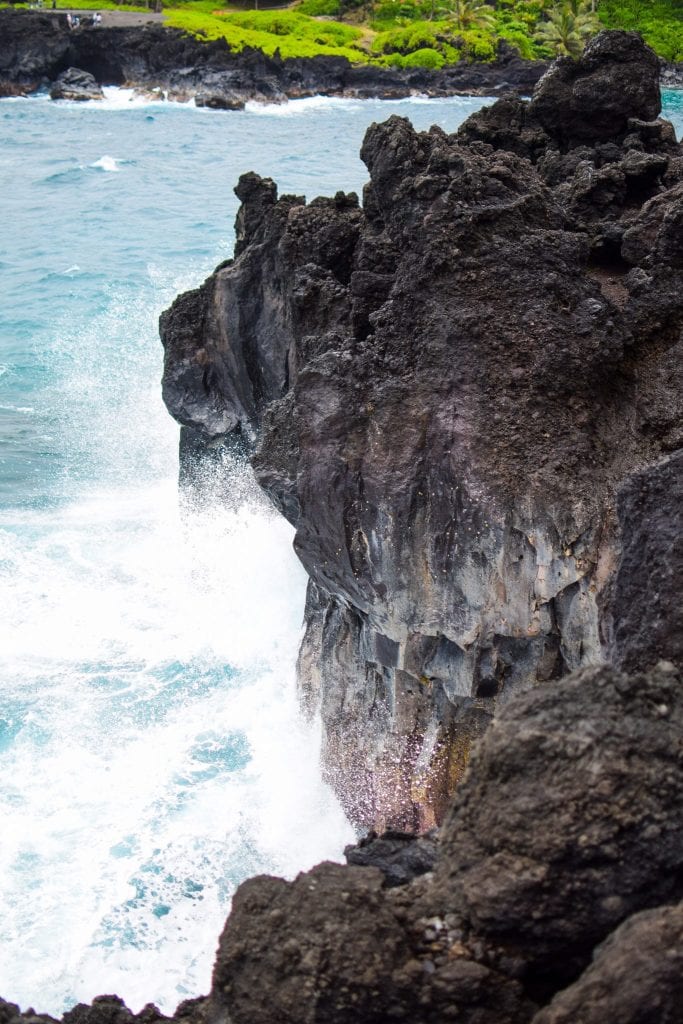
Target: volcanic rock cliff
x: 36, y: 48
x: 465, y: 395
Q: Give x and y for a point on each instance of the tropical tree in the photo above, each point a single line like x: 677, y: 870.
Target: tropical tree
x: 567, y: 27
x: 469, y: 14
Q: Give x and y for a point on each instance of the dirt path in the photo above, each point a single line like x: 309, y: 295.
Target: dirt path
x: 117, y: 19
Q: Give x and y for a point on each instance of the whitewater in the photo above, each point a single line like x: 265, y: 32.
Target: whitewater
x: 152, y: 754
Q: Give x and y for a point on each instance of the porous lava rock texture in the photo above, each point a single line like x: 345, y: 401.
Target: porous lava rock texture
x: 636, y: 976
x: 600, y: 757
x: 444, y: 390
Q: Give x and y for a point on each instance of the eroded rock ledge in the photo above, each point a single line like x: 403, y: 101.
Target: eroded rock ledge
x: 445, y: 390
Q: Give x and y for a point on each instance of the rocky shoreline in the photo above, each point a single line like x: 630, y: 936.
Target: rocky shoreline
x: 38, y: 47
x: 552, y: 896
x: 40, y: 52
x: 467, y: 395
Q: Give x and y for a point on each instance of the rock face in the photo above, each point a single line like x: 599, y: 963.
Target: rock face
x: 646, y: 595
x: 600, y: 757
x: 444, y: 390
x: 37, y: 47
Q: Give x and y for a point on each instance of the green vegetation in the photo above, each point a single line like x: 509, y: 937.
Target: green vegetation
x: 660, y: 22
x: 290, y: 33
x: 567, y: 27
x: 420, y: 33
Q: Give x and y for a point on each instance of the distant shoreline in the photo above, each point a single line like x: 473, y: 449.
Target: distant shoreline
x: 136, y: 50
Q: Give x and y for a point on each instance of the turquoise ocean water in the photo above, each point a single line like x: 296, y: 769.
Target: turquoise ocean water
x: 151, y: 755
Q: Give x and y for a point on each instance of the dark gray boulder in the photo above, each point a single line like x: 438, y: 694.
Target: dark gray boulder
x: 332, y: 947
x: 400, y: 856
x: 592, y: 99
x: 76, y: 84
x: 570, y: 819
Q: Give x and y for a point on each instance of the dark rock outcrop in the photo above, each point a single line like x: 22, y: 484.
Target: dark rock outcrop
x: 38, y: 46
x: 444, y: 390
x: 593, y: 99
x: 74, y: 84
x: 646, y: 595
x: 599, y: 757
x: 400, y: 856
x: 568, y: 825
x: 636, y: 976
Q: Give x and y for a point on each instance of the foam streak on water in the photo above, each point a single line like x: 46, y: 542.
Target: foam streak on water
x: 151, y: 751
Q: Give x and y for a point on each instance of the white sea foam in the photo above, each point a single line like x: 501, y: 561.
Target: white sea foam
x: 157, y: 754
x: 292, y: 108
x: 117, y: 98
x: 107, y: 163
x: 152, y: 752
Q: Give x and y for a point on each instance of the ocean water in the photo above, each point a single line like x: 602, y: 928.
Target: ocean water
x: 151, y: 751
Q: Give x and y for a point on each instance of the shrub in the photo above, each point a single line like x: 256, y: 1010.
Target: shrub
x: 478, y: 45
x: 427, y: 36
x: 521, y: 42
x: 321, y: 8
x: 405, y: 40
x: 292, y: 35
x: 424, y: 58
x: 291, y: 23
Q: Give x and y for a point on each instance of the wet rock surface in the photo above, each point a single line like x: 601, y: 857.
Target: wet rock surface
x: 444, y: 389
x: 38, y: 46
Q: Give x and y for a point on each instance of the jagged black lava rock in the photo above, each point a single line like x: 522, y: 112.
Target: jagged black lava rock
x: 400, y: 856
x: 443, y: 389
